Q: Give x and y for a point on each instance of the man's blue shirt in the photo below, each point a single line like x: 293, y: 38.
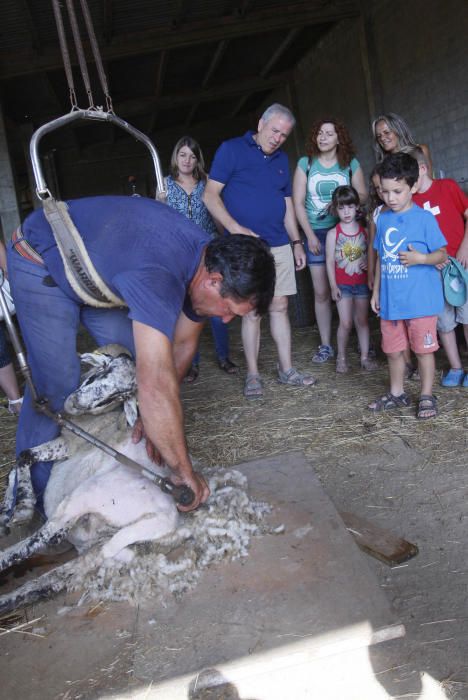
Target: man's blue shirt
x: 255, y: 186
x: 414, y: 291
x: 146, y: 252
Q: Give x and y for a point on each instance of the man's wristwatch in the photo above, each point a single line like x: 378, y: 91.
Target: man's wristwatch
x: 293, y: 243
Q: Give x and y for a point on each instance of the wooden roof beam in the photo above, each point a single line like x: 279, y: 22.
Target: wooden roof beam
x: 287, y: 41
x: 214, y: 63
x: 297, y: 14
x: 220, y: 92
x: 162, y: 66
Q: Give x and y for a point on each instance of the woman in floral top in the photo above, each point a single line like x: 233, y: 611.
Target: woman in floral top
x: 185, y: 186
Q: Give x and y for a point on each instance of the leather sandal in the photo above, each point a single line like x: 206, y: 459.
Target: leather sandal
x: 253, y: 387
x: 388, y: 402
x: 295, y: 378
x: 427, y: 407
x: 228, y: 366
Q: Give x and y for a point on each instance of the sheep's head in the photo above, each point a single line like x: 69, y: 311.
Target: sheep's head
x: 109, y: 382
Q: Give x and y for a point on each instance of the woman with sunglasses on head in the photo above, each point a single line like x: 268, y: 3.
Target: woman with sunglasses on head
x: 392, y: 134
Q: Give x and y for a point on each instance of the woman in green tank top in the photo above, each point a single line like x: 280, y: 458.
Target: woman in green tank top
x: 329, y: 163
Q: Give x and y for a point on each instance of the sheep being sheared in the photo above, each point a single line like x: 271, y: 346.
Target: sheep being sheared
x: 105, y: 508
x: 91, y: 499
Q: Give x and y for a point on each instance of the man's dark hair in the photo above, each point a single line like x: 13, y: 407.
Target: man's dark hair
x: 400, y: 166
x: 247, y: 267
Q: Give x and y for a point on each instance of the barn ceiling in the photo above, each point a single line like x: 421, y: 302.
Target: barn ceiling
x: 167, y: 61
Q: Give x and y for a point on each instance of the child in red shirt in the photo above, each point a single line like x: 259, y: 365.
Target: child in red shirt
x: 449, y: 204
x: 346, y: 260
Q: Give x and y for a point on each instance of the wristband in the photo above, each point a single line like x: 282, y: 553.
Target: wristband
x: 293, y: 243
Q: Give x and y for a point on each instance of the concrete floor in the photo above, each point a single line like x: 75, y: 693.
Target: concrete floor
x: 293, y: 620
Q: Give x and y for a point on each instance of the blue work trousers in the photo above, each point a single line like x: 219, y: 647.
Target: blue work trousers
x: 49, y: 321
x: 220, y: 334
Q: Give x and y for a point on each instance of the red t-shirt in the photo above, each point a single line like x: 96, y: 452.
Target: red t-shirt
x: 350, y: 254
x: 448, y: 203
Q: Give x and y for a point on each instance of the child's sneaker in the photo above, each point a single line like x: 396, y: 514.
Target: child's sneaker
x: 454, y: 377
x: 465, y: 380
x: 323, y: 354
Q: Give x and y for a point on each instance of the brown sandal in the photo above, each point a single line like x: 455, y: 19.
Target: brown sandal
x: 427, y: 407
x: 388, y: 402
x: 228, y: 366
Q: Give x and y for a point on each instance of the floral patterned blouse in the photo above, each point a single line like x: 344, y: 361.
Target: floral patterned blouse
x: 190, y: 205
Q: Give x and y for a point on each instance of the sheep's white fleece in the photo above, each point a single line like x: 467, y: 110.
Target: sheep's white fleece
x: 221, y: 529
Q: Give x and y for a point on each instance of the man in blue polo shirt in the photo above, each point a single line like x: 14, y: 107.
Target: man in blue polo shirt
x: 249, y: 192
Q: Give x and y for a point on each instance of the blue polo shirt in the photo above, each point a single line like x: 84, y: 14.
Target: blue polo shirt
x: 255, y: 186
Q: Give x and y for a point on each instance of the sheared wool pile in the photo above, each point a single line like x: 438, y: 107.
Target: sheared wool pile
x: 220, y: 529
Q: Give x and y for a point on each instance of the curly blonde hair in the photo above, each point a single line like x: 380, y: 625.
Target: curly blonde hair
x: 345, y: 150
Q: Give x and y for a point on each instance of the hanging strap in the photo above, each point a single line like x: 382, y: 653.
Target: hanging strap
x: 65, y: 52
x: 96, y: 54
x: 79, y: 270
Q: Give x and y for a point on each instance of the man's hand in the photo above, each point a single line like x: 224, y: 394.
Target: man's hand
x: 314, y: 244
x: 299, y: 256
x: 375, y: 303
x: 198, y: 485
x: 411, y: 257
x: 138, y: 434
x: 244, y: 231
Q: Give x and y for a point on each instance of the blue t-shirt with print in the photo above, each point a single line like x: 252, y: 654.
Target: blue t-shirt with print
x: 255, y: 186
x: 146, y: 253
x: 414, y: 291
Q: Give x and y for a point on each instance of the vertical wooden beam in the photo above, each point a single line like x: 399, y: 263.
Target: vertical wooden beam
x: 9, y: 208
x: 162, y: 65
x: 298, y: 133
x: 369, y: 62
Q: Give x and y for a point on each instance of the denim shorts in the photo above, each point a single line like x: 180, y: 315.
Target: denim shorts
x: 319, y: 259
x: 354, y: 290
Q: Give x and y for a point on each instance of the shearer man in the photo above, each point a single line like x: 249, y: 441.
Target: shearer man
x: 155, y: 277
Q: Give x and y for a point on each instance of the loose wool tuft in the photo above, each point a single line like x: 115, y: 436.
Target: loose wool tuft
x: 219, y: 530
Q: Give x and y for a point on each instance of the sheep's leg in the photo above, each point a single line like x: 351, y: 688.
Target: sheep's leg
x: 44, y: 586
x: 49, y: 534
x: 19, y: 509
x: 143, y: 530
x: 8, y: 505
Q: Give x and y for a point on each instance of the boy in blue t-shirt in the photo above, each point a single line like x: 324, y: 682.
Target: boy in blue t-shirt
x: 407, y: 290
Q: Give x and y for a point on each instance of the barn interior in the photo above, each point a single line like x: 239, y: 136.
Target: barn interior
x: 209, y: 68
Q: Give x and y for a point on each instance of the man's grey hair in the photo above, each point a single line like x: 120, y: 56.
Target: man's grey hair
x: 281, y: 110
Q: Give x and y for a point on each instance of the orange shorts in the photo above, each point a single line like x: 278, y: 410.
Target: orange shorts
x: 419, y: 334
